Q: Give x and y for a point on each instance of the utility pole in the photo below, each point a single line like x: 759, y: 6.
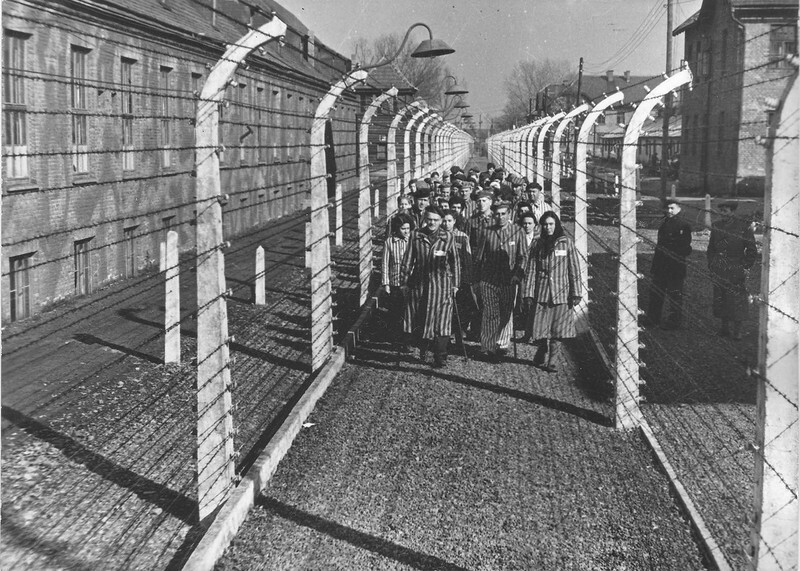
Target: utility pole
x: 667, y: 113
x: 578, y: 102
x: 530, y: 109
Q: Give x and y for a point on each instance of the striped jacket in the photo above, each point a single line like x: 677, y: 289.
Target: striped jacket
x: 553, y: 278
x: 394, y: 250
x: 431, y: 270
x: 464, y: 256
x: 500, y: 255
x: 476, y: 226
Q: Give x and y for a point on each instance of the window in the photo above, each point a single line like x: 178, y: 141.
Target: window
x: 197, y: 87
x: 245, y: 120
x: 782, y: 42
x: 129, y: 251
x: 165, y: 85
x: 126, y: 91
x: 261, y: 136
x: 221, y: 133
x: 15, y: 128
x: 20, y: 290
x: 83, y: 276
x: 166, y: 225
x: 80, y: 122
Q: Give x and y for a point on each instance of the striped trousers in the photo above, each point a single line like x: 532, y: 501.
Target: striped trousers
x: 497, y: 319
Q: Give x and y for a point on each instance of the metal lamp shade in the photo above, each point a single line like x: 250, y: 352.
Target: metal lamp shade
x: 456, y: 90
x: 432, y: 48
x: 460, y: 105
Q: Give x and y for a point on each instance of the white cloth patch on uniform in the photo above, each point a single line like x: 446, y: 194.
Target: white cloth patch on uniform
x: 561, y: 252
x: 438, y: 252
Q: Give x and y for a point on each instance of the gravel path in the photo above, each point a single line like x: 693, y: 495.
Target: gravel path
x: 472, y: 467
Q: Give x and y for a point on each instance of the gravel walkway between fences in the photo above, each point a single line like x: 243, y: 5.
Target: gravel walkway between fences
x: 98, y: 444
x: 475, y: 466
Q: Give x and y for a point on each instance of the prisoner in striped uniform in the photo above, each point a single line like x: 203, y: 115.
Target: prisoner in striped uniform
x: 431, y: 273
x: 464, y: 306
x: 394, y: 250
x: 553, y: 281
x: 499, y: 266
x: 476, y: 225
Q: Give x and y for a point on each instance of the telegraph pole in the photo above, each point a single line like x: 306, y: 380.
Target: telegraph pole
x: 667, y: 108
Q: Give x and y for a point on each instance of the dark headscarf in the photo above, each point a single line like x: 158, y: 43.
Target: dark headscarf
x: 546, y: 244
x: 398, y: 221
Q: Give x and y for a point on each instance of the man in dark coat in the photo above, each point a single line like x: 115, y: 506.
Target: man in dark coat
x: 430, y: 275
x: 731, y: 253
x: 422, y: 198
x: 674, y: 244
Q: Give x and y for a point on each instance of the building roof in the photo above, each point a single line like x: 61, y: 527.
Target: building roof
x: 708, y: 5
x: 233, y: 19
x: 383, y: 78
x: 690, y: 21
x: 594, y: 86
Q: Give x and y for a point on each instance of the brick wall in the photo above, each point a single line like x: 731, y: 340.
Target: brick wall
x: 46, y: 212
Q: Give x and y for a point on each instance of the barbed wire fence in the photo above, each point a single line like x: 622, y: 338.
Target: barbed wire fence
x: 725, y: 420
x: 135, y: 435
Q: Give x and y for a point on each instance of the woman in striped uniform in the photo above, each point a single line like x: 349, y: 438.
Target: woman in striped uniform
x: 464, y: 303
x: 553, y: 283
x: 430, y: 274
x: 394, y: 250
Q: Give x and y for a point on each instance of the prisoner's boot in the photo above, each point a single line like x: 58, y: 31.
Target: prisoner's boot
x: 541, y: 351
x: 423, y: 350
x: 440, y: 351
x: 555, y: 349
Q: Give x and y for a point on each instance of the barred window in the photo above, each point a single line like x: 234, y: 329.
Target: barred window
x: 82, y: 269
x: 782, y: 42
x: 15, y: 125
x: 20, y: 286
x: 261, y: 135
x: 165, y: 85
x: 126, y: 92
x: 80, y: 120
x: 129, y: 251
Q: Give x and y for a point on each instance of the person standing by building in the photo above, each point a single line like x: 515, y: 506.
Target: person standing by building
x: 668, y: 269
x: 731, y: 253
x: 499, y: 267
x: 554, y: 287
x: 430, y: 275
x: 394, y: 251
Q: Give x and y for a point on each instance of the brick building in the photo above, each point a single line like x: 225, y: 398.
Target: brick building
x: 99, y: 106
x: 736, y: 50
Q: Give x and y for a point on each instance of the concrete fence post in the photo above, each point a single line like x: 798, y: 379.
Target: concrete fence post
x: 319, y: 242
x: 707, y: 212
x: 215, y: 457
x: 558, y: 137
x: 582, y: 202
x: 628, y: 415
x: 261, y: 278
x: 540, y: 149
x: 774, y: 531
x: 172, y: 302
x: 338, y: 232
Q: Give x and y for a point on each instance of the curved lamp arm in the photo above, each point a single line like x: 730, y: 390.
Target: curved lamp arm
x: 400, y: 49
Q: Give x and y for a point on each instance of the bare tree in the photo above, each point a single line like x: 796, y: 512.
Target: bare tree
x: 529, y: 78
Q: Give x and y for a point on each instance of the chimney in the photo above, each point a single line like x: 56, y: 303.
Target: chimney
x: 627, y: 76
x: 610, y: 76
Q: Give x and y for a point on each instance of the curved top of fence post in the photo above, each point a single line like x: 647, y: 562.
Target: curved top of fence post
x: 400, y: 114
x: 223, y: 70
x: 377, y: 102
x: 568, y: 119
x: 547, y: 124
x: 591, y: 118
x: 653, y: 98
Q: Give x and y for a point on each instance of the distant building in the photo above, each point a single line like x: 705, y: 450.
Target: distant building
x: 98, y: 149
x: 736, y: 50
x: 605, y: 140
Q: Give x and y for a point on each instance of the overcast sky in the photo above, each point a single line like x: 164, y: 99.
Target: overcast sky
x: 491, y: 36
